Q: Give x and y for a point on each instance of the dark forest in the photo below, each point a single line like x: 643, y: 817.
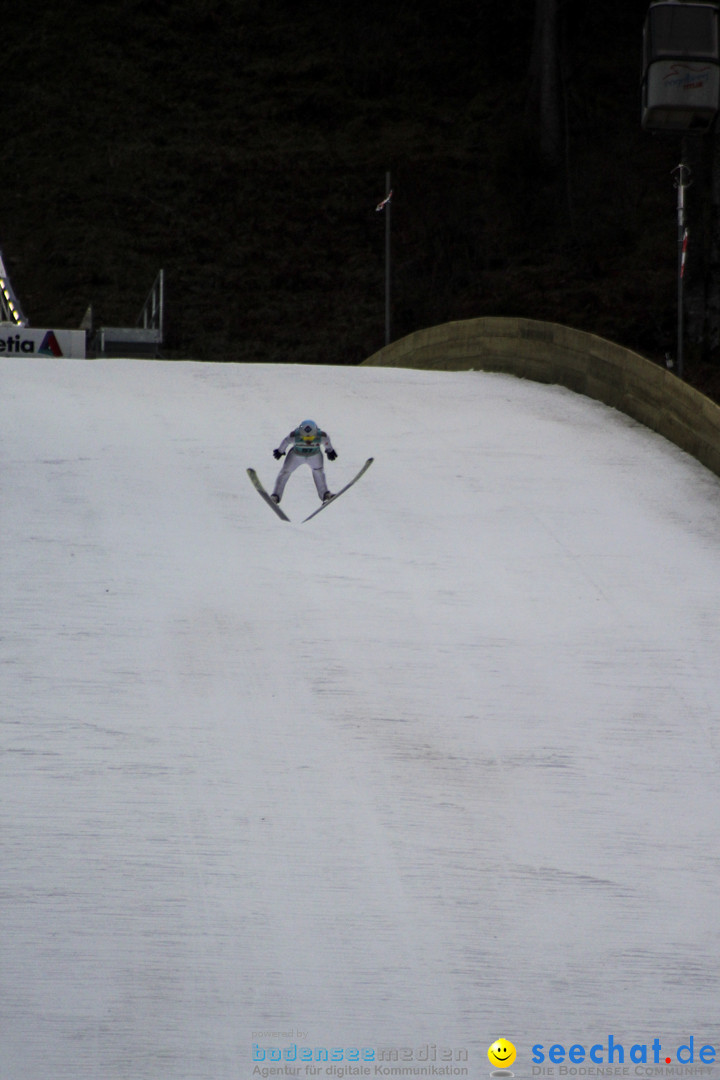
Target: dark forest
x: 242, y: 147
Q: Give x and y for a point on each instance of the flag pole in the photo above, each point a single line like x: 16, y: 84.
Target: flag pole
x: 682, y: 179
x: 384, y: 205
x: 388, y: 205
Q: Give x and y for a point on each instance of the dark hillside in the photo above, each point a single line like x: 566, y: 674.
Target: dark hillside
x: 243, y: 147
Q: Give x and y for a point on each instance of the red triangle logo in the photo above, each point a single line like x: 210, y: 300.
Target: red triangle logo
x: 50, y: 345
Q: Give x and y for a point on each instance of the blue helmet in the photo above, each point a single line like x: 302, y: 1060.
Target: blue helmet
x: 308, y: 430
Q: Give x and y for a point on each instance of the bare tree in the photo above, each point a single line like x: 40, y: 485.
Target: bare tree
x: 543, y: 99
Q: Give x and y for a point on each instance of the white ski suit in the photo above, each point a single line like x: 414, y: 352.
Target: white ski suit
x: 304, y: 452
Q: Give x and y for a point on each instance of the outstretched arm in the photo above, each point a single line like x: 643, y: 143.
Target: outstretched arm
x: 325, y: 441
x: 287, y: 441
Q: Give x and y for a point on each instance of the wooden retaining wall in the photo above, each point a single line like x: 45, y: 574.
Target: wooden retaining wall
x: 551, y: 353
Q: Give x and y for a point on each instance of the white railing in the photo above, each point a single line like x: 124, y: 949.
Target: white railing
x: 151, y: 316
x: 146, y: 336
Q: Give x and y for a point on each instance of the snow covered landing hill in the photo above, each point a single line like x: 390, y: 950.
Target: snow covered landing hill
x: 440, y: 765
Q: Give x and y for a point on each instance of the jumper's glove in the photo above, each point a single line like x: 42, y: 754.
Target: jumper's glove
x: 277, y: 454
x: 332, y: 454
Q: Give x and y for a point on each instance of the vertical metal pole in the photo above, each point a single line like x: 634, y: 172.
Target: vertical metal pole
x: 682, y: 174
x: 388, y: 211
x: 161, y: 303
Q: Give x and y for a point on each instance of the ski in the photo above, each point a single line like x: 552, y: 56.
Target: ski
x: 337, y: 494
x: 263, y: 493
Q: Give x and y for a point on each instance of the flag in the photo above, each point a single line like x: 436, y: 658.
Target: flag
x: 384, y: 203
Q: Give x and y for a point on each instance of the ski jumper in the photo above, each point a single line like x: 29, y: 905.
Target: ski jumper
x: 307, y: 451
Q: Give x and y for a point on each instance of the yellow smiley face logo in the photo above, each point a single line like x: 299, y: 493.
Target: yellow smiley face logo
x: 502, y: 1053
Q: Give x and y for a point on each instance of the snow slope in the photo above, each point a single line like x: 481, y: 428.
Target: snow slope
x: 438, y: 766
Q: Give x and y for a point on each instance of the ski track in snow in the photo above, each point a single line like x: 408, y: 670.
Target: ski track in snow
x: 439, y: 765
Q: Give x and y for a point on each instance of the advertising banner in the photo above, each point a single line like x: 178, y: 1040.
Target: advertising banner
x: 22, y: 340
